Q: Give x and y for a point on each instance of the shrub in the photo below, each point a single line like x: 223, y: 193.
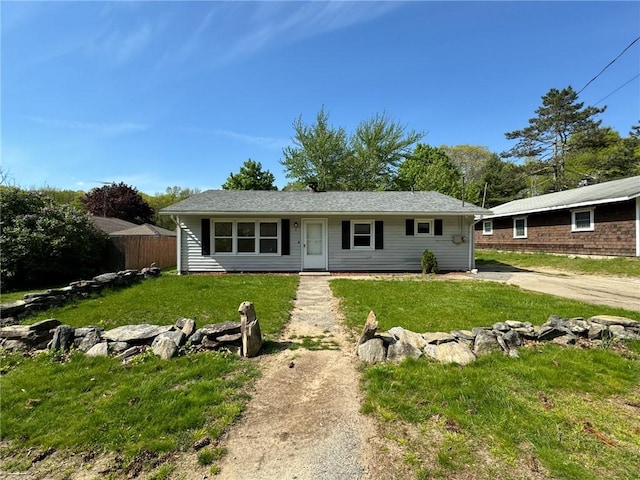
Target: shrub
x: 43, y: 243
x: 428, y: 262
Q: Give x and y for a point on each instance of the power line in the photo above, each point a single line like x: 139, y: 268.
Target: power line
x: 621, y: 86
x: 609, y: 64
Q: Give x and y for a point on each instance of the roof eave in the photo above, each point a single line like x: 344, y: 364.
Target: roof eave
x: 322, y: 213
x: 564, y: 207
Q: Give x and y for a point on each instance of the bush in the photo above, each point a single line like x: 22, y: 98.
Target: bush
x: 428, y: 262
x: 43, y: 243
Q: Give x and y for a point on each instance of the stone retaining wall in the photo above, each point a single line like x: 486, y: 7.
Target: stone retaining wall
x: 464, y: 346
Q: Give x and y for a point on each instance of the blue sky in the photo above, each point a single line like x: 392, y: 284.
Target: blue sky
x: 157, y: 94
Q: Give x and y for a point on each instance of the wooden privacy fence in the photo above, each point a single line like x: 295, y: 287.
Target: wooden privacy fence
x: 139, y: 251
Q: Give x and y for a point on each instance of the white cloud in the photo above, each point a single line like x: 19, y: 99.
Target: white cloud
x: 107, y: 129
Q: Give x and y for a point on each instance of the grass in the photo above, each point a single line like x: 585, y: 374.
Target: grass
x: 423, y: 306
x: 561, y: 413
x: 206, y: 299
x: 148, y: 406
x: 620, y: 266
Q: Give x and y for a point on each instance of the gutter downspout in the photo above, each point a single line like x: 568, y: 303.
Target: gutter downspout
x: 472, y: 243
x: 637, y: 226
x: 178, y: 244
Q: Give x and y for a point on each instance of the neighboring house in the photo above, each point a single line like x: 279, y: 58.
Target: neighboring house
x: 137, y: 246
x: 601, y: 219
x: 290, y: 231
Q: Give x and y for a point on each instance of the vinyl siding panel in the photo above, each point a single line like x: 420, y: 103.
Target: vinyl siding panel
x: 401, y: 253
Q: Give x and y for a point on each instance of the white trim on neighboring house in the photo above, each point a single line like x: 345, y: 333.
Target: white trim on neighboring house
x: 575, y: 227
x: 638, y: 227
x: 178, y: 243
x: 515, y: 227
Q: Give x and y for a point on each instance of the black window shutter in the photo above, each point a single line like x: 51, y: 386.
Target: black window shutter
x: 409, y: 226
x: 437, y: 226
x: 286, y: 236
x: 205, y: 225
x: 346, y: 234
x: 379, y: 230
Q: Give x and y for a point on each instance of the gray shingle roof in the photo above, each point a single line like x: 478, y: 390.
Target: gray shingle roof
x: 608, y: 192
x: 110, y: 224
x: 327, y: 203
x: 145, y: 230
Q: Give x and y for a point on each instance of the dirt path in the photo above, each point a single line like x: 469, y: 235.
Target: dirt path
x: 303, y: 421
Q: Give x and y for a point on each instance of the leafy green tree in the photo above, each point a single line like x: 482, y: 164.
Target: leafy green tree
x: 429, y: 168
x: 250, y: 177
x: 366, y: 160
x: 471, y: 160
x: 547, y: 137
x: 501, y: 182
x: 118, y: 201
x: 170, y: 196
x: 64, y: 197
x: 44, y: 243
x: 318, y: 153
x: 603, y: 156
x: 378, y: 146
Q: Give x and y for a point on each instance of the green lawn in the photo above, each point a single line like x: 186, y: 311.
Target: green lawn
x: 554, y: 413
x: 149, y: 405
x: 596, y: 266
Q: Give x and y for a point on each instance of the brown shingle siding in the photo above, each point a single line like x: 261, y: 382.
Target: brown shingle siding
x: 613, y: 234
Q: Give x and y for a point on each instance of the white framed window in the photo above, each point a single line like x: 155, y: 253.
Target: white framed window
x: 362, y: 234
x: 520, y: 227
x: 424, y: 227
x: 582, y: 220
x: 222, y: 237
x: 246, y: 237
x: 487, y: 227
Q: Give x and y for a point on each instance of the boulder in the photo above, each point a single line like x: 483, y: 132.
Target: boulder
x: 11, y: 309
x: 416, y: 340
x: 45, y: 325
x: 187, y: 325
x: 437, y: 338
x: 512, y: 339
x: 450, y: 352
x: 106, y: 278
x: 369, y: 330
x: 175, y: 335
x: 486, y: 342
x: 398, y: 351
x: 135, y: 333
x: 621, y: 333
x: 62, y: 338
x: 372, y: 351
x: 98, y: 350
x: 218, y: 329
x: 250, y: 329
x: 164, y: 347
x: 597, y: 331
x: 614, y: 320
x: 500, y: 327
x: 517, y: 324
x: 466, y: 335
x: 89, y: 340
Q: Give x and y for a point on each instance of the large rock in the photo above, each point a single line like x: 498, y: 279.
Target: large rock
x: 369, y: 330
x: 439, y: 337
x: 98, y: 350
x: 11, y: 309
x: 486, y: 342
x: 398, y: 351
x: 164, y: 347
x: 62, y: 338
x: 45, y: 325
x: 250, y: 329
x: 175, y: 335
x: 614, y: 320
x: 107, y: 278
x: 450, y: 352
x: 219, y: 329
x: 416, y: 340
x: 88, y: 340
x: 597, y: 331
x: 135, y: 333
x: 372, y: 351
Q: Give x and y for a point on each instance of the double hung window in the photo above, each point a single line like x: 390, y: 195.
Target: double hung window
x: 246, y: 237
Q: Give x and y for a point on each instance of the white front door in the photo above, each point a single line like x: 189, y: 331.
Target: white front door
x: 314, y: 244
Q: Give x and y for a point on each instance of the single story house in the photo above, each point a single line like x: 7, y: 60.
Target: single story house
x: 292, y: 231
x: 601, y: 219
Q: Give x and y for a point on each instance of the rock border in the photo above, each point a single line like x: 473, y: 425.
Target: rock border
x: 465, y: 346
x: 11, y: 313
x: 166, y: 341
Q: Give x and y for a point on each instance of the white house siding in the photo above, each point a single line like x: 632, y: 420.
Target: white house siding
x: 194, y: 261
x: 401, y: 252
